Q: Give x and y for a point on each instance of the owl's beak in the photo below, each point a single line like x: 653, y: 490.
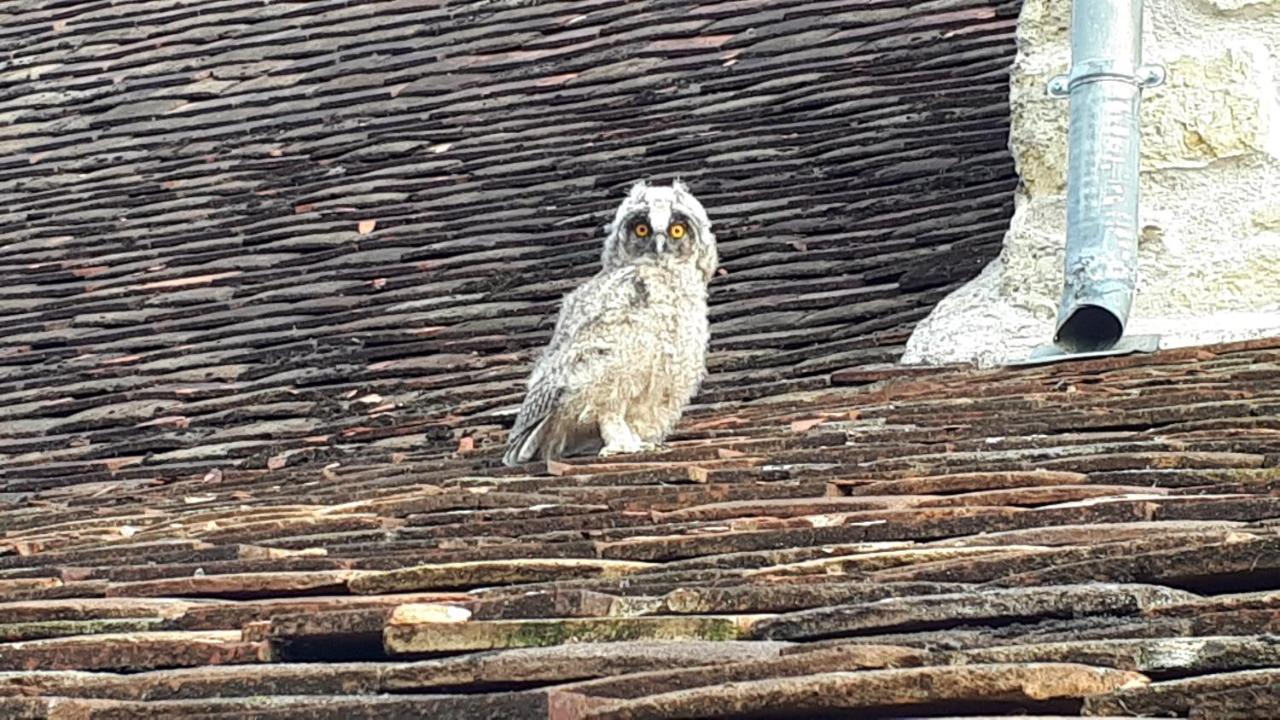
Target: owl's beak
x: 659, y: 242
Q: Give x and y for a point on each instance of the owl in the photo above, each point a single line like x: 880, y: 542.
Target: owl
x: 629, y: 347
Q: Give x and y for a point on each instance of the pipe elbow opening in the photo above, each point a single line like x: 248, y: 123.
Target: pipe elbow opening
x: 1090, y: 328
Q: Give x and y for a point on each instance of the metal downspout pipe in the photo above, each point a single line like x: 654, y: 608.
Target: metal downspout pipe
x: 1105, y: 89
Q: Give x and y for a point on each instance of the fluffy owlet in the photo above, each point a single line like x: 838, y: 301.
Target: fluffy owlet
x: 629, y: 348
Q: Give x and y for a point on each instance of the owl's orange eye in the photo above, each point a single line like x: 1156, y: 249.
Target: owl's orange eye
x: 677, y: 231
x: 642, y: 230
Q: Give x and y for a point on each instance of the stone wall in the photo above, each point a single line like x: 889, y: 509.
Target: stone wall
x: 1209, y: 249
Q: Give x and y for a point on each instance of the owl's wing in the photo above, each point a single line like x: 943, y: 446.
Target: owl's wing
x: 526, y: 436
x: 602, y: 300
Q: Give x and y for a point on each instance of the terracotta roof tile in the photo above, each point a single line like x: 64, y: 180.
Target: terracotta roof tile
x: 796, y: 516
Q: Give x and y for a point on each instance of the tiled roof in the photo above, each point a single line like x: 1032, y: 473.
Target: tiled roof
x: 243, y: 234
x: 1094, y: 536
x: 273, y: 274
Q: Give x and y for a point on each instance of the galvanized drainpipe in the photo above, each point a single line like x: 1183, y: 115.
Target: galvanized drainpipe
x: 1104, y: 86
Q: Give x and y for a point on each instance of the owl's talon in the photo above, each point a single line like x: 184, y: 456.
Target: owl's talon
x: 625, y: 449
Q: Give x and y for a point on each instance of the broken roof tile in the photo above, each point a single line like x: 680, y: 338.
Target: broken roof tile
x: 453, y: 636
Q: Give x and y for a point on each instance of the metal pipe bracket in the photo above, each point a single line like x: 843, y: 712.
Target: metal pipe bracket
x: 1145, y: 76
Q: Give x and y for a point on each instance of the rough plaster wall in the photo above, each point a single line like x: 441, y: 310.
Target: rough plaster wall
x: 1209, y: 251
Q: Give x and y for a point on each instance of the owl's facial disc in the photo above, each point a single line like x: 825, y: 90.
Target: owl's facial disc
x: 658, y: 221
x: 661, y: 231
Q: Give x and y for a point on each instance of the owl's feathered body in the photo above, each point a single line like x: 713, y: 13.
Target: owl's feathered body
x: 629, y: 348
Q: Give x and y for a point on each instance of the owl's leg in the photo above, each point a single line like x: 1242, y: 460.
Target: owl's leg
x: 619, y: 438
